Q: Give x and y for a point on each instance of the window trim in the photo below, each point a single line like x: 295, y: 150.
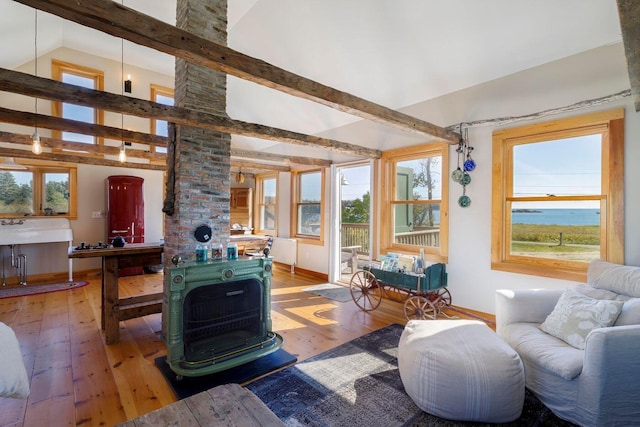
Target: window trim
x: 611, y: 124
x: 295, y: 191
x: 156, y: 90
x: 39, y: 168
x: 259, y: 202
x: 387, y: 199
x: 60, y: 67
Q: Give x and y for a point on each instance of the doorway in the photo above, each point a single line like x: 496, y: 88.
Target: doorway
x: 353, y: 219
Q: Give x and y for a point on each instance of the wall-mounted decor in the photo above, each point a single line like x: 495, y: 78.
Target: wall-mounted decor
x: 462, y: 175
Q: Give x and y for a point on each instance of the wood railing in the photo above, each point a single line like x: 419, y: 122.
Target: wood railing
x: 358, y: 235
x: 429, y: 237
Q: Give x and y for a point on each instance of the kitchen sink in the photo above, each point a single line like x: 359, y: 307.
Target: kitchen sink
x: 24, y: 231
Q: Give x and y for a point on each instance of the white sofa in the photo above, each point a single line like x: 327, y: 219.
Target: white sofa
x: 598, y: 385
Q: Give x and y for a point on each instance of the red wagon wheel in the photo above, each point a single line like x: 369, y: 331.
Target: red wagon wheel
x: 366, y: 292
x: 419, y: 308
x: 442, y: 296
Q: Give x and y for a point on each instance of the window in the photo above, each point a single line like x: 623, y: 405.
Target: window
x: 38, y: 190
x: 266, y: 188
x: 558, y: 197
x: 161, y: 95
x: 79, y: 76
x: 307, y: 215
x: 415, y: 200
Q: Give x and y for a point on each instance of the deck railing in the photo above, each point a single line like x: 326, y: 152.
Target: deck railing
x: 358, y: 235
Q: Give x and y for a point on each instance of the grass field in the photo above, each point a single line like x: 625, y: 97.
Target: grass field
x: 578, y: 241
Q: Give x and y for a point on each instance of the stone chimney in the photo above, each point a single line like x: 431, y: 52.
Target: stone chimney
x: 201, y: 157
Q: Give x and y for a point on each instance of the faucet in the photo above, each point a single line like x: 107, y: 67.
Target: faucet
x: 12, y: 221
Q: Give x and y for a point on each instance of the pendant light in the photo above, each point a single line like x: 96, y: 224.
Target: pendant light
x: 122, y: 155
x: 36, y: 147
x: 240, y: 177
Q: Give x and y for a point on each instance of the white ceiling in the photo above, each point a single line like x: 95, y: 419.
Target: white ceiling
x: 397, y: 53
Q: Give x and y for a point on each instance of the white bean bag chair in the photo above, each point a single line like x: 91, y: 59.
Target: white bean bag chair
x: 461, y: 370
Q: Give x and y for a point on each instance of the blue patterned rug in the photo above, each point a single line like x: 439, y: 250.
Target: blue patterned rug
x: 358, y: 384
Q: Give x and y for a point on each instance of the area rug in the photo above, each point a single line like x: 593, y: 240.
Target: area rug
x: 358, y: 384
x: 20, y: 291
x: 331, y: 291
x: 188, y: 386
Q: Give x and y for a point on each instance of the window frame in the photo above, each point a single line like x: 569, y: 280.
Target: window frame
x: 58, y: 68
x: 388, y: 200
x: 39, y: 169
x: 155, y: 91
x: 307, y: 238
x: 260, y: 202
x: 611, y: 125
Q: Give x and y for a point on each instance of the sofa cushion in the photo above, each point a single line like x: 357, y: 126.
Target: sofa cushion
x: 621, y: 279
x: 575, y: 315
x: 543, y: 350
x: 630, y: 314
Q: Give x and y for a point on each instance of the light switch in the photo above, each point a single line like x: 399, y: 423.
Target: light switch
x: 96, y: 215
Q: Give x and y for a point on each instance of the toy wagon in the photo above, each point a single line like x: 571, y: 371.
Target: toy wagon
x: 424, y: 295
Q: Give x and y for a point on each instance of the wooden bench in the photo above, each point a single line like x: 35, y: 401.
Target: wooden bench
x: 225, y: 405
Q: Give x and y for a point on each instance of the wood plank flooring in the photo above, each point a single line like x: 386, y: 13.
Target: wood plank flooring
x: 78, y: 380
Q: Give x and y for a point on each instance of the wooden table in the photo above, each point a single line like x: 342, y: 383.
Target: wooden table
x: 225, y: 405
x: 115, y: 309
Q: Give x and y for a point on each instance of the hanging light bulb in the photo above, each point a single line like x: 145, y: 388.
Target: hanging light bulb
x: 122, y: 156
x: 36, y: 148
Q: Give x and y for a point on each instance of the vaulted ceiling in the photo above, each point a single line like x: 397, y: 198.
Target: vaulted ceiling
x: 394, y: 53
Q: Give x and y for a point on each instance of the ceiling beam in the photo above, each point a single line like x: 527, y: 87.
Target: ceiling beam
x: 90, y: 149
x: 280, y: 158
x: 629, y: 13
x: 117, y: 20
x: 258, y: 165
x: 58, y: 123
x: 77, y: 158
x: 27, y: 84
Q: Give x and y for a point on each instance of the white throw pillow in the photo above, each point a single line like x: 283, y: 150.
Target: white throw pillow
x: 14, y: 381
x: 575, y: 315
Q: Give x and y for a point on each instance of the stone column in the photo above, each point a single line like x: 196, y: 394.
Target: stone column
x: 202, y: 157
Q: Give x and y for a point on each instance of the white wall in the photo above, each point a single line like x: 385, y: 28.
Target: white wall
x: 52, y: 258
x: 593, y: 74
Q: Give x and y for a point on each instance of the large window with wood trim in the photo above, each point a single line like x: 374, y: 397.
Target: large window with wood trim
x: 414, y: 200
x: 31, y: 189
x: 558, y: 195
x: 79, y: 76
x: 164, y: 96
x: 308, y: 205
x: 266, y: 198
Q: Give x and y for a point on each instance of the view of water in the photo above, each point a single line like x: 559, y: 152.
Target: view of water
x: 558, y: 217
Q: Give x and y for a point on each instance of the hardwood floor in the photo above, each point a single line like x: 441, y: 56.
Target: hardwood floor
x: 78, y: 380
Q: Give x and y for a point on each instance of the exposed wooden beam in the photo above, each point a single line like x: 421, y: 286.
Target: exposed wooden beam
x: 279, y: 158
x: 629, y: 13
x: 27, y: 84
x: 58, y: 123
x: 76, y: 158
x: 91, y: 149
x: 120, y: 21
x: 258, y: 165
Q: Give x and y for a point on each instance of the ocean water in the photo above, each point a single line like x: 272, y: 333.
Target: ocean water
x: 558, y: 217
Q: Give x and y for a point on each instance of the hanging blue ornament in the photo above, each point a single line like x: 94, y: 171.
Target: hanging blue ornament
x: 469, y: 164
x: 464, y: 201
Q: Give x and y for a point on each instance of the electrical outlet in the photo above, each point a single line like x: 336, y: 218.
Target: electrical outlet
x: 97, y: 215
